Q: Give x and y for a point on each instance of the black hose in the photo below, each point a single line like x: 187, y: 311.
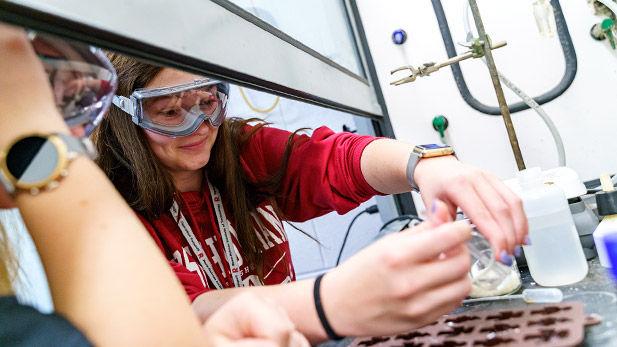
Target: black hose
x: 406, y: 217
x: 566, y: 44
x: 370, y: 210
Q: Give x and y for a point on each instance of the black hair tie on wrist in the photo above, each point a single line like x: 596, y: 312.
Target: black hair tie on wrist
x: 320, y: 312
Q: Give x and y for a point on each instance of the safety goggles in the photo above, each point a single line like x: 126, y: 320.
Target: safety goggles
x: 177, y: 110
x: 83, y: 80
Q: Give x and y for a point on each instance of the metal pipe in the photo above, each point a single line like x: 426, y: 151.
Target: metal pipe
x: 501, y: 99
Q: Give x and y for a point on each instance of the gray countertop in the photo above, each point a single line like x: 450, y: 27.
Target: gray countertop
x: 597, y: 292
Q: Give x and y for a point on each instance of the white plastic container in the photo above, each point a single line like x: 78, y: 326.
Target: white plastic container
x: 555, y: 256
x: 607, y: 207
x: 606, y: 227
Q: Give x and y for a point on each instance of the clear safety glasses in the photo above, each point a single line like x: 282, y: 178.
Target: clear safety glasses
x: 177, y: 110
x: 83, y: 80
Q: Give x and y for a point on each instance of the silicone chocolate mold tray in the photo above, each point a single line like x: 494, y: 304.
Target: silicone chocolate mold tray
x: 536, y: 325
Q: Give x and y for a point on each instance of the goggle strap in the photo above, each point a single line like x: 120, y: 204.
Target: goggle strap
x: 125, y: 104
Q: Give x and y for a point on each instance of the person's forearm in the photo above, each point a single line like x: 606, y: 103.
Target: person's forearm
x: 295, y: 298
x: 105, y: 273
x: 384, y: 164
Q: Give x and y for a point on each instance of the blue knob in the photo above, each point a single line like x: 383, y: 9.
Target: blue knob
x: 399, y: 36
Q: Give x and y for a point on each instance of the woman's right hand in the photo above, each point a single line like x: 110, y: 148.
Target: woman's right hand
x: 26, y: 100
x: 404, y: 281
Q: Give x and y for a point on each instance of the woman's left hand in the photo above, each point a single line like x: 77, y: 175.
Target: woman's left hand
x: 494, y: 208
x: 249, y: 320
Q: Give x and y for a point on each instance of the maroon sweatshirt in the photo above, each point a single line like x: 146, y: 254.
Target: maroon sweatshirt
x: 323, y: 175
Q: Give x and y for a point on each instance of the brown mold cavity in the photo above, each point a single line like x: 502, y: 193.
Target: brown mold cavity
x: 505, y: 315
x: 547, y: 321
x: 461, y: 319
x: 410, y: 344
x: 410, y: 336
x: 456, y: 331
x: 374, y: 340
x: 499, y: 328
x: 547, y: 335
x: 494, y: 342
x: 551, y: 309
x: 449, y: 343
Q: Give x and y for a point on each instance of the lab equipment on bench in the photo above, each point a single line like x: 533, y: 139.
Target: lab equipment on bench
x: 555, y: 256
x: 610, y: 242
x: 584, y: 217
x: 607, y: 207
x: 530, y: 296
x: 476, y: 51
x: 488, y: 276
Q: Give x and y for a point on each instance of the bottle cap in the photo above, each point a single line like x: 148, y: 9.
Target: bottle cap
x: 607, y: 203
x: 607, y: 199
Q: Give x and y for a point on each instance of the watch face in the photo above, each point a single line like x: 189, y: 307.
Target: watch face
x: 433, y: 150
x: 34, y: 161
x: 433, y: 146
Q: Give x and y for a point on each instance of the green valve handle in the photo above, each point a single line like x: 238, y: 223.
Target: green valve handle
x: 607, y: 26
x: 440, y: 123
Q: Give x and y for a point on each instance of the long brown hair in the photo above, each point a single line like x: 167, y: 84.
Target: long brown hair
x: 128, y: 161
x: 8, y: 265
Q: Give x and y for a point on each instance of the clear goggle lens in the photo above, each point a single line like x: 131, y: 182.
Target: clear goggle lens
x: 180, y: 110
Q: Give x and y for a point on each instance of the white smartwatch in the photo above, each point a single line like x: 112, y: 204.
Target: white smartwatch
x: 421, y: 152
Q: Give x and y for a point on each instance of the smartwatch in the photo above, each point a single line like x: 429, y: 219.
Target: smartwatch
x: 38, y: 161
x: 424, y: 151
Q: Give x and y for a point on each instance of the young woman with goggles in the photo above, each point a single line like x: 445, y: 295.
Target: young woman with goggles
x: 107, y: 278
x: 213, y: 197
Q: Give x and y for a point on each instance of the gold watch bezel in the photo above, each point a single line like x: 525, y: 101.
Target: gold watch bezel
x: 62, y: 150
x: 433, y: 152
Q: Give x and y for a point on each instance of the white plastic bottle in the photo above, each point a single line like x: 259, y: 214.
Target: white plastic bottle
x: 606, y: 227
x: 607, y: 206
x: 555, y: 256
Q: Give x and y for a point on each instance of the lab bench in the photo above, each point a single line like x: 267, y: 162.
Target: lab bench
x: 597, y: 292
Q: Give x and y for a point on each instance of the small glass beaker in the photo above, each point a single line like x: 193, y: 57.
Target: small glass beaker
x: 488, y: 276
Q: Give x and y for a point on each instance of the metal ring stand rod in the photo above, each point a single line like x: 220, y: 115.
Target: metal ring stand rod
x: 501, y: 99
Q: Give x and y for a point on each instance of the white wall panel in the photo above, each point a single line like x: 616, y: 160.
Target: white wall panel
x: 585, y: 114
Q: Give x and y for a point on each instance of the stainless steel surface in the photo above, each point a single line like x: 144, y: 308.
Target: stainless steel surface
x: 597, y: 292
x: 503, y: 106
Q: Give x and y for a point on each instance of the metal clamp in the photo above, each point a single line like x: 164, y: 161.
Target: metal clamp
x: 476, y: 51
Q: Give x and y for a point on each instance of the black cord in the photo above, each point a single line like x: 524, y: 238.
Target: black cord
x: 369, y: 210
x: 409, y: 217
